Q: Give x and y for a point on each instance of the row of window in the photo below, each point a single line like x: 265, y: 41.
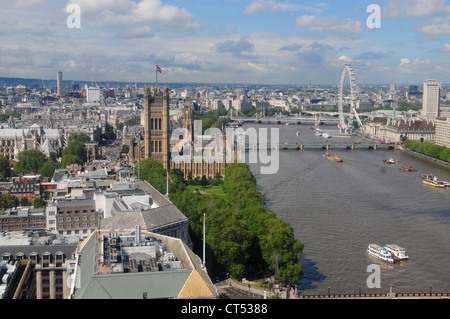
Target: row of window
x: 83, y: 225
x: 18, y: 226
x: 68, y: 219
x: 84, y: 211
x: 31, y: 219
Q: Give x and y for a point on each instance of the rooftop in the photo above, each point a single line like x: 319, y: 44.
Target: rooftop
x: 135, y: 265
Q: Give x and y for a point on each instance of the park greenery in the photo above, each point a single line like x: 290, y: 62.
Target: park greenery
x: 245, y: 239
x: 429, y: 149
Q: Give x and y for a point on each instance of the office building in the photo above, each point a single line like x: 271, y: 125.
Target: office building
x: 443, y: 132
x: 59, y: 81
x: 431, y: 97
x: 43, y: 265
x: 93, y: 95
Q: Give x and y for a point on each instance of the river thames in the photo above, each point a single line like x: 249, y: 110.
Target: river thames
x: 337, y: 209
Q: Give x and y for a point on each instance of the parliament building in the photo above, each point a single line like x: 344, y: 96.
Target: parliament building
x: 157, y: 142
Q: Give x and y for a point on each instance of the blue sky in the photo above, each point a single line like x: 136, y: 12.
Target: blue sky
x: 226, y: 41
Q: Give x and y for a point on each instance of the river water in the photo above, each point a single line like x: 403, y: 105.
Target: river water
x: 337, y: 209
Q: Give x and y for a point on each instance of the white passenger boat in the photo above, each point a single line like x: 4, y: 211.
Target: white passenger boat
x: 380, y: 253
x: 397, y: 252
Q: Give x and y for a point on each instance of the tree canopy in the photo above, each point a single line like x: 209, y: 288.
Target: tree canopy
x: 245, y: 238
x: 75, y: 151
x: 429, y: 149
x: 30, y: 161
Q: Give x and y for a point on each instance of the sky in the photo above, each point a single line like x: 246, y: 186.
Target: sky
x: 226, y: 41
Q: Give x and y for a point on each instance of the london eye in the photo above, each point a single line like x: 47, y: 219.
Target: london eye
x: 345, y: 126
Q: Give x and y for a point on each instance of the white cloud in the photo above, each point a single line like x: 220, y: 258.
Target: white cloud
x: 126, y: 12
x: 139, y: 32
x: 414, y: 8
x: 419, y: 65
x: 446, y: 47
x: 344, y: 58
x: 254, y: 67
x: 274, y: 6
x: 331, y: 24
x: 236, y: 48
x: 437, y: 26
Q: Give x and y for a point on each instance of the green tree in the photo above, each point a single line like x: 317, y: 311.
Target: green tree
x: 153, y: 172
x: 48, y: 168
x: 5, y: 170
x: 75, y: 152
x: 30, y: 161
x: 109, y: 132
x: 8, y: 201
x: 23, y: 201
x: 76, y: 148
x: 79, y: 137
x: 119, y: 125
x: 69, y: 159
x: 38, y: 202
x: 131, y: 122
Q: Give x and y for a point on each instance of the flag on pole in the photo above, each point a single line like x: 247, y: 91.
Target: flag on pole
x: 158, y: 69
x: 169, y: 178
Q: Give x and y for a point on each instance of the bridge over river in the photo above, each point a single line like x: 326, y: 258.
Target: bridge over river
x: 323, y: 146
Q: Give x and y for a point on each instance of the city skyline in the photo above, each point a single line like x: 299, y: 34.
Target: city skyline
x: 229, y: 41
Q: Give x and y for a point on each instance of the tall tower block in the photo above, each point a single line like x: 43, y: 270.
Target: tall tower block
x: 431, y: 98
x: 59, y: 81
x: 157, y: 126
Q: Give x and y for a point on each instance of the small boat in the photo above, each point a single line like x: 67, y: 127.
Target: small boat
x: 391, y: 161
x: 334, y: 157
x: 297, y: 133
x: 398, y: 253
x: 380, y: 253
x: 408, y: 169
x: 434, y: 183
x: 428, y: 176
x: 326, y: 135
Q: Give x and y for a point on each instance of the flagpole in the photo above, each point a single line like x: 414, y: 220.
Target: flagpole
x: 167, y: 184
x: 204, y: 246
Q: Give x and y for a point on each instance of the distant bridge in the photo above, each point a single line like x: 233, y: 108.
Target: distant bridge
x: 288, y: 120
x: 322, y: 146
